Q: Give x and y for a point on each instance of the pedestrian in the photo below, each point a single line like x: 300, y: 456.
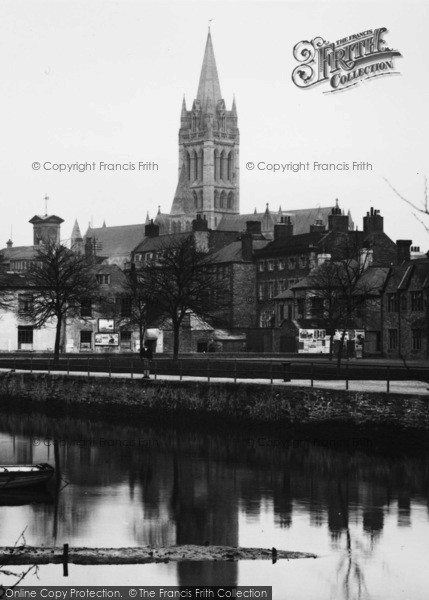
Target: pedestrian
x: 147, y: 357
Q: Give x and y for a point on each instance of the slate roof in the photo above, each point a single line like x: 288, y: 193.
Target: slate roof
x: 116, y: 241
x: 302, y: 219
x: 233, y: 252
x: 294, y: 244
x: 19, y: 253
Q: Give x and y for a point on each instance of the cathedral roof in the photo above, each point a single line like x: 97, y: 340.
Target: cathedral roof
x: 209, y: 86
x: 116, y: 241
x: 234, y: 252
x: 183, y: 203
x: 302, y: 219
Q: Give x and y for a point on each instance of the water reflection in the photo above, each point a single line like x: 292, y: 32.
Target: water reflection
x: 145, y: 485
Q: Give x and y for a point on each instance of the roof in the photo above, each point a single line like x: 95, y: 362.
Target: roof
x: 233, y: 252
x: 76, y: 234
x: 118, y: 240
x: 400, y: 276
x: 46, y: 219
x: 19, y: 252
x: 301, y: 219
x: 209, y: 87
x: 152, y: 244
x: 371, y: 281
x: 291, y: 245
x: 183, y: 203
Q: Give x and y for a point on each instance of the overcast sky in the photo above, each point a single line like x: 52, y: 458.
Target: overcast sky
x: 104, y: 81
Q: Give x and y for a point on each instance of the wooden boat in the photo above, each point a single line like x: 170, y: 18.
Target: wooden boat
x: 18, y: 476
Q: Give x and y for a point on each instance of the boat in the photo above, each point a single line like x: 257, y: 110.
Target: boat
x: 18, y: 476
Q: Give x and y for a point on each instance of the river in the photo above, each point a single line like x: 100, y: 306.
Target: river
x: 362, y: 511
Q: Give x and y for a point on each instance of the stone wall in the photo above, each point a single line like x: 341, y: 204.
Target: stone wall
x: 274, y: 405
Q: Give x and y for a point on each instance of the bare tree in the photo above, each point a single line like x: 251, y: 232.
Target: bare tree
x: 6, y: 294
x: 185, y: 280
x: 342, y: 288
x: 141, y: 307
x: 59, y: 280
x: 420, y: 208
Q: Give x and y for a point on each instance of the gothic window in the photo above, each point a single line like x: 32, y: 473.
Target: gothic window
x: 216, y: 199
x: 222, y: 199
x: 188, y: 165
x: 230, y: 200
x: 194, y: 194
x: 179, y: 227
x: 229, y: 167
x: 201, y: 198
x: 216, y: 164
x: 200, y: 165
x: 222, y: 165
x: 195, y: 166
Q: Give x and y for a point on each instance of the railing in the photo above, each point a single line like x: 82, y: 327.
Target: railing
x: 210, y: 368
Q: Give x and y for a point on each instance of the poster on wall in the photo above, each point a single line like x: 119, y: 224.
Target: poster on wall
x: 106, y: 339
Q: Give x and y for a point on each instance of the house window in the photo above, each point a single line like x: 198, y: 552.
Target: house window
x: 300, y: 306
x: 417, y: 301
x: 291, y: 262
x: 261, y: 265
x: 25, y: 337
x: 281, y: 312
x: 393, y: 339
x: 149, y: 255
x: 271, y: 289
x: 85, y: 340
x: 403, y: 303
x: 126, y: 340
x: 392, y: 302
x: 281, y: 264
x: 302, y: 261
x: 268, y: 318
x: 281, y: 285
x: 86, y: 307
x: 126, y: 306
x: 416, y: 339
x: 25, y: 303
x: 316, y: 307
x: 261, y: 291
x: 103, y: 278
x: 270, y: 264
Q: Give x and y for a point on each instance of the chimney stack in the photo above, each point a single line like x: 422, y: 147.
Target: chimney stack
x: 373, y: 221
x: 247, y: 247
x: 253, y: 227
x: 284, y: 229
x: 337, y: 221
x: 200, y: 224
x: 151, y: 229
x: 404, y: 253
x: 9, y: 243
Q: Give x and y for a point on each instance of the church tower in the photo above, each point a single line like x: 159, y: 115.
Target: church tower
x: 208, y: 153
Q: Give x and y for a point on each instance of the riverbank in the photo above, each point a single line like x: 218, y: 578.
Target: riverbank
x: 277, y: 405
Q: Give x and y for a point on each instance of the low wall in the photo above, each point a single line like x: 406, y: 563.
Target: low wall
x: 228, y: 401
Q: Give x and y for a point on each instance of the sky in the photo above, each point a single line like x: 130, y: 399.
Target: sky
x: 103, y: 81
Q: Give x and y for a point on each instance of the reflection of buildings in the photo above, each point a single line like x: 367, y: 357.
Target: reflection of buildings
x: 178, y: 487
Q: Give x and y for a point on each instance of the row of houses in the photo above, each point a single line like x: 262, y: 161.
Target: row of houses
x: 273, y: 304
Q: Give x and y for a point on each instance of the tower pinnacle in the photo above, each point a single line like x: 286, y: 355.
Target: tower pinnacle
x: 209, y: 86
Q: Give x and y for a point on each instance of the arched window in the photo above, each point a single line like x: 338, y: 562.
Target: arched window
x: 195, y: 157
x: 200, y: 165
x: 179, y: 226
x: 230, y: 201
x: 194, y: 195
x: 188, y: 165
x: 201, y: 198
x: 229, y: 167
x: 222, y: 199
x: 216, y: 199
x: 222, y: 165
x: 216, y: 164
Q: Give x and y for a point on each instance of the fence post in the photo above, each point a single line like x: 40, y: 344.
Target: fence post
x: 347, y: 377
x: 208, y: 369
x: 235, y: 370
x: 68, y: 366
x: 388, y: 380
x: 132, y: 369
x: 180, y: 369
x: 110, y: 367
x: 88, y: 366
x: 49, y: 366
x: 14, y: 363
x: 31, y: 364
x: 154, y: 368
x: 271, y: 372
x: 312, y: 374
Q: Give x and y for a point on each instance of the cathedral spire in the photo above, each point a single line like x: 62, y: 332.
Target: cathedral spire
x: 209, y: 86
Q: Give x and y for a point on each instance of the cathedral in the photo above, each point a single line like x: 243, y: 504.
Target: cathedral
x: 208, y: 179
